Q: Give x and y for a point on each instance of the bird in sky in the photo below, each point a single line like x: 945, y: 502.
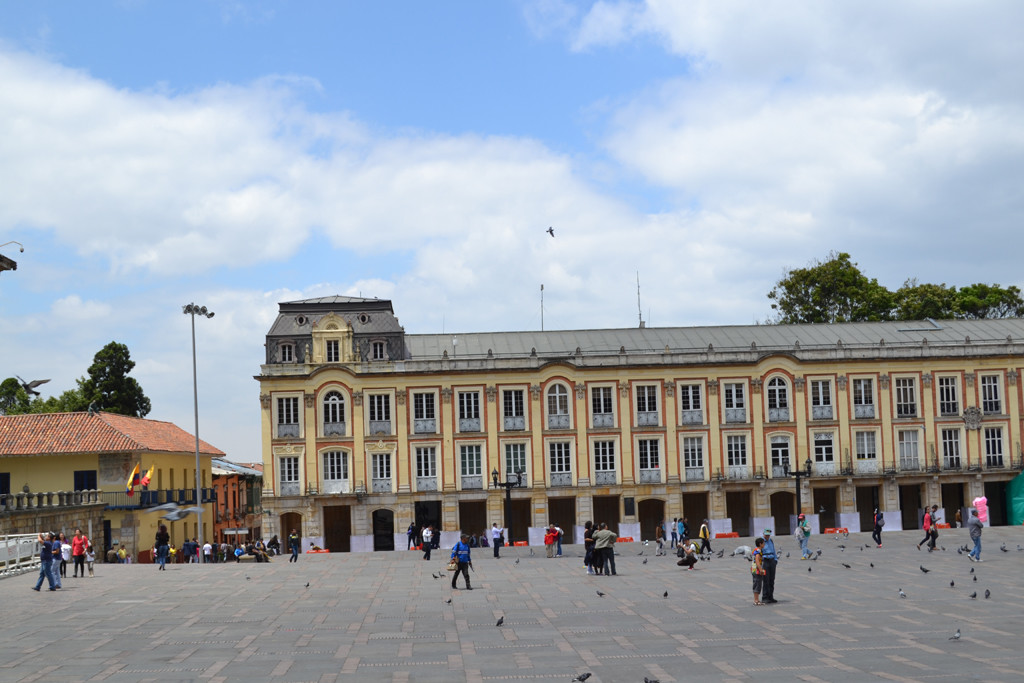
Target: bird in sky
x: 30, y: 387
x: 924, y: 569
x: 600, y: 594
x: 550, y: 231
x: 955, y: 636
x: 902, y: 594
x: 501, y: 620
x: 179, y: 513
x: 582, y: 677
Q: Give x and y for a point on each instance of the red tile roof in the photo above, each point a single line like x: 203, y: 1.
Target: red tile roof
x: 66, y: 433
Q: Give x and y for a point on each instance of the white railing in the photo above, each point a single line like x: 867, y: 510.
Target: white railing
x: 287, y: 430
x: 864, y: 412
x: 380, y: 426
x: 381, y: 485
x: 333, y: 429
x: 516, y: 423
x: 426, y: 483
x: 825, y: 468
x: 821, y: 412
x: 735, y: 414
x: 19, y: 553
x: 739, y: 471
x: 647, y: 419
x: 336, y: 486
x: 778, y: 414
x: 469, y: 424
x: 561, y: 479
x: 779, y: 472
x: 425, y: 426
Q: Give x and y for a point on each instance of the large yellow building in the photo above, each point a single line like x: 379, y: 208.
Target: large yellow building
x: 367, y: 429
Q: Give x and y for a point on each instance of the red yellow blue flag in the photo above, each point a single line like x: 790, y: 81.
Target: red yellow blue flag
x: 133, y: 481
x: 148, y: 475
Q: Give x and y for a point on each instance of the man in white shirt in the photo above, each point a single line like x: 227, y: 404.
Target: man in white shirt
x: 497, y: 538
x: 207, y: 552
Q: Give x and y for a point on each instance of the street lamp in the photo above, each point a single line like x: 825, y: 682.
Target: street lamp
x: 6, y: 263
x: 508, y: 485
x: 194, y: 310
x: 805, y: 472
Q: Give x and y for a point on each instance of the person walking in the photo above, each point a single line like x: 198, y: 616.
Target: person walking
x: 460, y: 553
x: 876, y: 533
x: 705, y: 538
x: 45, y: 562
x: 803, y: 534
x: 674, y: 533
x: 604, y: 548
x: 163, y: 540
x: 929, y: 524
x: 428, y: 541
x: 57, y: 558
x: 78, y: 545
x: 588, y: 546
x: 409, y: 534
x: 90, y: 559
x: 974, y: 528
x: 497, y: 539
x: 659, y: 538
x: 769, y: 560
x: 293, y: 544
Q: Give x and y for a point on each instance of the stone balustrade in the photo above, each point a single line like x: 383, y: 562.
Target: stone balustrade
x: 39, y: 500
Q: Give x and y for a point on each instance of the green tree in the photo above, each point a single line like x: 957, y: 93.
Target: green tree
x: 914, y: 301
x: 108, y: 385
x: 988, y: 301
x: 13, y: 399
x: 829, y: 292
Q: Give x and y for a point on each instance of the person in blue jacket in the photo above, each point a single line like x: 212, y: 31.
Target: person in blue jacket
x: 460, y: 553
x: 45, y: 561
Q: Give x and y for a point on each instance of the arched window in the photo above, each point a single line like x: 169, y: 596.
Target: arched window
x: 558, y: 407
x: 778, y: 400
x: 334, y: 414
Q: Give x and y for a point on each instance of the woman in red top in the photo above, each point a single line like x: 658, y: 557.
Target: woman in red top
x: 78, y: 545
x: 550, y: 538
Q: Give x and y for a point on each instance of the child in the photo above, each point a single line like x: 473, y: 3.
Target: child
x: 90, y: 558
x: 757, y: 570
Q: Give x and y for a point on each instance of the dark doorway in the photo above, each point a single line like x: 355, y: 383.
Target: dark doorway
x: 783, y: 504
x: 290, y: 521
x: 518, y: 523
x: 910, y: 506
x: 995, y: 492
x: 825, y: 505
x: 952, y: 501
x: 428, y: 513
x: 695, y: 510
x: 606, y: 509
x: 106, y: 539
x: 337, y: 528
x: 473, y: 517
x: 562, y: 511
x: 737, y: 508
x: 383, y: 529
x: 651, y: 513
x: 867, y: 501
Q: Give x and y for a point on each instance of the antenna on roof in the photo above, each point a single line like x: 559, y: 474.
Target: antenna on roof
x: 542, y: 307
x: 639, y: 311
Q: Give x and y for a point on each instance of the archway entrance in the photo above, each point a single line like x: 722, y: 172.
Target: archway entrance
x: 383, y: 530
x: 826, y: 505
x: 338, y: 528
x: 650, y: 512
x: 289, y: 521
x: 783, y: 504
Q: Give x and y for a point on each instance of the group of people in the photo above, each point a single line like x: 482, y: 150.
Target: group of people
x: 553, y: 540
x: 211, y: 553
x: 599, y: 547
x: 56, y: 550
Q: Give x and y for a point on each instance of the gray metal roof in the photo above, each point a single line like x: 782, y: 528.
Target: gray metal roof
x: 722, y: 338
x: 222, y: 466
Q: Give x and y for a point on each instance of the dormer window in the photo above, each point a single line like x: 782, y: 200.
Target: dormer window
x: 287, y: 353
x: 378, y: 351
x: 333, y: 348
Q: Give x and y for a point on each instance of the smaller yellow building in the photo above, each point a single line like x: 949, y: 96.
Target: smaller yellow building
x: 67, y: 452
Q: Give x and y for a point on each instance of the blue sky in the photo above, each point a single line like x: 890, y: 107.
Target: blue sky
x: 238, y: 154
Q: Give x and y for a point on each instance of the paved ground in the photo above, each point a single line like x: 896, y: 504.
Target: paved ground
x: 382, y: 617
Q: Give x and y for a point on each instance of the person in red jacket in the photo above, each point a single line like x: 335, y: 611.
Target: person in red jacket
x: 78, y: 545
x: 550, y: 539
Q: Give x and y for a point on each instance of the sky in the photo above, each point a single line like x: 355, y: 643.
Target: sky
x: 240, y: 154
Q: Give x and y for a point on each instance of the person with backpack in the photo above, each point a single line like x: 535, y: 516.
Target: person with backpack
x: 461, y: 555
x: 705, y: 537
x: 803, y: 534
x: 876, y: 533
x: 930, y: 532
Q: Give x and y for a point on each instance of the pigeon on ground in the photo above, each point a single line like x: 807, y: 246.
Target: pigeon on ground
x: 1003, y: 548
x: 902, y: 594
x: 943, y: 548
x: 818, y: 554
x: 646, y: 543
x: 987, y: 594
x: 787, y: 556
x: 248, y: 578
x: 841, y: 546
x: 972, y: 570
x: 651, y: 680
x: 959, y: 551
x: 951, y: 584
x: 845, y: 565
x: 720, y: 553
x: 645, y: 561
x: 501, y: 620
x: 582, y: 677
x: 872, y: 565
x: 517, y: 561
x: 436, y: 576
x: 600, y: 594
x: 531, y: 552
x: 925, y: 570
x: 974, y: 595
x: 955, y: 636
x: 640, y: 553
x: 307, y: 584
x: 975, y: 579
x: 665, y: 595
x: 808, y: 570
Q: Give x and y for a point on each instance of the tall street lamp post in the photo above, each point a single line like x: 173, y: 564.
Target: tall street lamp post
x: 508, y: 485
x: 194, y: 310
x: 805, y: 472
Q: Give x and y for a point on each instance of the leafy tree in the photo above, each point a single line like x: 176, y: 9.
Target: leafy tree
x: 914, y: 301
x: 829, y: 292
x: 988, y: 301
x: 108, y: 385
x: 13, y: 399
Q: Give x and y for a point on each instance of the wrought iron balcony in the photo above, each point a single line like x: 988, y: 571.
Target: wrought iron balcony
x: 825, y: 469
x: 650, y: 476
x: 910, y: 464
x: 604, y: 420
x: 287, y: 431
x: 515, y: 423
x: 558, y: 422
x: 290, y: 488
x: 735, y: 414
x: 561, y: 479
x: 821, y: 412
x: 692, y: 417
x: 472, y: 482
x: 951, y: 463
x: 426, y: 483
x: 425, y: 426
x: 778, y: 414
x: 864, y: 412
x: 336, y: 486
x: 866, y: 466
x: 694, y: 474
x: 779, y: 471
x: 739, y: 472
x: 647, y: 419
x: 605, y: 477
x: 380, y: 426
x: 334, y: 429
x: 381, y: 485
x: 469, y: 424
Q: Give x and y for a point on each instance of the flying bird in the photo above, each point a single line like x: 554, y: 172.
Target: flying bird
x: 600, y: 594
x: 902, y: 594
x: 551, y: 231
x: 955, y: 636
x: 924, y: 569
x: 30, y: 387
x: 179, y: 513
x: 501, y: 620
x: 582, y: 677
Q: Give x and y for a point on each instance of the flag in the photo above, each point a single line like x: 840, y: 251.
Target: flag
x: 133, y: 481
x: 148, y: 475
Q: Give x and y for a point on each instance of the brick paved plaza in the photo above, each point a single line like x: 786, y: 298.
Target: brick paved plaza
x: 383, y: 617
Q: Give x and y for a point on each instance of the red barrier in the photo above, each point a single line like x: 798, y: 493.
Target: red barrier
x: 625, y: 539
x: 836, y: 530
x: 727, y: 534
x: 520, y: 543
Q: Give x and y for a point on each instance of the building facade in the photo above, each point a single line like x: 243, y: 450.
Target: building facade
x: 237, y: 490
x: 366, y: 429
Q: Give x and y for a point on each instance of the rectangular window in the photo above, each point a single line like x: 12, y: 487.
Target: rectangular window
x: 335, y: 466
x: 423, y: 406
x: 559, y: 457
x: 426, y: 462
x: 907, y: 440
x: 689, y: 397
x: 85, y: 480
x: 949, y: 401
x: 863, y: 398
x: 512, y: 403
x: 951, y: 448
x: 821, y: 399
x: 601, y: 400
x: 287, y: 353
x: 865, y: 445
x: 823, y: 451
x: 780, y: 455
x: 736, y: 450
x: 470, y: 461
x: 289, y: 470
x: 991, y: 401
x: 379, y: 350
x: 648, y: 454
x: 604, y: 456
x: 735, y: 402
x: 5, y: 483
x: 906, y: 397
x: 333, y: 356
x: 381, y: 466
x: 693, y: 452
x: 469, y: 405
x: 288, y: 410
x: 380, y: 407
x: 993, y: 447
x: 646, y: 399
x: 515, y: 459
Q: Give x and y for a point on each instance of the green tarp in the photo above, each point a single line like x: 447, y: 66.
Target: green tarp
x: 1015, y: 500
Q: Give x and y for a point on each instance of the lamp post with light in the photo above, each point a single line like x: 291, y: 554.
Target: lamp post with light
x: 194, y: 310
x: 805, y: 472
x: 508, y: 485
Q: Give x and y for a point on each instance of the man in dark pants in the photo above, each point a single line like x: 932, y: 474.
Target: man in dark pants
x: 768, y: 560
x: 460, y: 553
x: 45, y: 562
